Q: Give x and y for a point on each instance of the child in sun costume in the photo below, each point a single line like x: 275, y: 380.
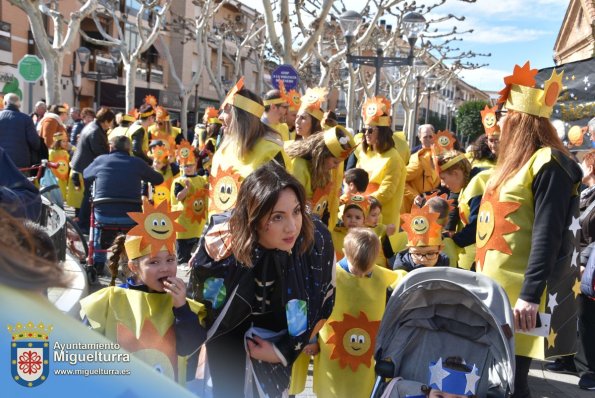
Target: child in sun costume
x: 169, y: 171
x: 344, y: 367
x: 59, y: 154
x: 355, y: 210
x: 245, y: 147
x: 527, y: 224
x: 189, y: 193
x: 424, y: 241
x: 385, y: 167
x: 149, y: 315
x: 317, y: 162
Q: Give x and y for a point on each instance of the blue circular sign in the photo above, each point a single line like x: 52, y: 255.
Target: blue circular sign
x: 288, y: 74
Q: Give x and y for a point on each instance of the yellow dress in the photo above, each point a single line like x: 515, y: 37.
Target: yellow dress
x: 194, y: 206
x: 161, y: 192
x: 344, y: 366
x: 74, y: 197
x: 386, y: 173
x: 228, y: 171
x: 503, y: 246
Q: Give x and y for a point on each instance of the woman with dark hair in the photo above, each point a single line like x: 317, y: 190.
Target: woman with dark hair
x: 265, y: 274
x: 527, y: 223
x: 318, y: 165
x: 378, y: 156
x: 309, y: 116
x: 247, y: 144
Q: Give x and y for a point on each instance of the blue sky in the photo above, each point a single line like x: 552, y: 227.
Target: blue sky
x: 513, y: 31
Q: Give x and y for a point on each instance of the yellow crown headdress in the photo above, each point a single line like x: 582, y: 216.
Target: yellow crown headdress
x: 357, y: 200
x: 339, y: 142
x: 30, y: 331
x: 185, y: 153
x: 155, y: 231
x: 161, y: 114
x: 280, y: 99
x: 244, y: 103
x: 421, y: 227
x: 521, y: 96
x: 312, y: 101
x: 490, y: 121
x: 160, y: 153
x: 447, y: 165
x: 375, y: 112
x: 212, y: 115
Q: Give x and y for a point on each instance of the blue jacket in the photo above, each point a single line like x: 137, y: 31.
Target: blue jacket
x: 119, y: 175
x: 18, y: 136
x: 18, y: 196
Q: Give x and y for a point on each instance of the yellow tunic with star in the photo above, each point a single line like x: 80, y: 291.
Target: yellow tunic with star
x: 74, y: 197
x: 161, y: 192
x: 194, y: 206
x: 324, y: 198
x: 283, y: 131
x: 344, y: 366
x: 509, y: 269
x: 168, y: 139
x: 228, y: 170
x: 475, y: 187
x: 140, y: 323
x: 386, y: 173
x: 61, y: 157
x: 421, y: 177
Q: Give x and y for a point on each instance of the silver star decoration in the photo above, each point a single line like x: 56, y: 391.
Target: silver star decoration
x: 575, y: 226
x: 552, y: 302
x: 298, y: 346
x: 437, y: 374
x: 472, y: 378
x: 574, y: 262
x: 586, y: 79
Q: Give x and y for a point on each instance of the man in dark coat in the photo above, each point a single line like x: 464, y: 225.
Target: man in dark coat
x: 17, y: 132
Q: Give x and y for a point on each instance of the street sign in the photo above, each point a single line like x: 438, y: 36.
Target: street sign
x: 30, y: 68
x: 288, y: 74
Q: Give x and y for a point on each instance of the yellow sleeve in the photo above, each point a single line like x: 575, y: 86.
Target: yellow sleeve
x: 414, y: 168
x: 388, y: 186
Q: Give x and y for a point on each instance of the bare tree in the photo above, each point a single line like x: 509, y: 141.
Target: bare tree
x: 148, y: 22
x: 53, y: 48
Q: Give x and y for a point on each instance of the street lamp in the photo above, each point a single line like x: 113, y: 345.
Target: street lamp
x: 431, y: 84
x: 97, y: 76
x: 413, y: 24
x: 418, y: 71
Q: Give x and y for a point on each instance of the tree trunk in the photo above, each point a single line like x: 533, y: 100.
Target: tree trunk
x: 51, y: 76
x: 130, y: 72
x: 184, y: 97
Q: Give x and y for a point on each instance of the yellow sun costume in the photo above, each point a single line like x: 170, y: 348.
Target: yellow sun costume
x: 194, y: 206
x: 344, y: 366
x: 386, y: 171
x: 228, y: 170
x: 161, y: 192
x: 141, y: 322
x: 421, y: 176
x: 156, y: 133
x: 505, y: 229
x: 340, y: 231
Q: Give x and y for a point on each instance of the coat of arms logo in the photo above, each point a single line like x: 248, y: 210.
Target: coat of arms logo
x: 30, y: 353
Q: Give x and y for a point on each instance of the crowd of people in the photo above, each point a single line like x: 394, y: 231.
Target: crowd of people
x: 296, y: 229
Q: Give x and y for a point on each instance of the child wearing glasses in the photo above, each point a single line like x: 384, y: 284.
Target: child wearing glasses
x: 424, y: 241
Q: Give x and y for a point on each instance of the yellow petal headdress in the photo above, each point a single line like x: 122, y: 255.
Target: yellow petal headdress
x: 212, y: 115
x: 357, y: 200
x: 160, y: 153
x: 421, y: 227
x: 239, y: 101
x: 185, y: 153
x: 490, y: 121
x: 312, y: 101
x: 339, y: 142
x: 375, y: 112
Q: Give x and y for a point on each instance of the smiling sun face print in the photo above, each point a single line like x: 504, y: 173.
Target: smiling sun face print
x: 444, y: 142
x: 492, y: 225
x: 353, y: 340
x: 320, y: 199
x: 421, y: 227
x: 224, y: 190
x: 196, y: 210
x: 157, y: 227
x: 61, y: 172
x: 489, y: 121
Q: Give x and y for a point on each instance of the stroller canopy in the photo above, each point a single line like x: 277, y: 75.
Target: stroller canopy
x: 445, y: 312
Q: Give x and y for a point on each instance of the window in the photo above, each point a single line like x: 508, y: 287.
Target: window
x: 5, y: 36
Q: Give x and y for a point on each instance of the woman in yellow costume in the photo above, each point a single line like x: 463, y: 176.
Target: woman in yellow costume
x: 247, y: 144
x: 149, y: 315
x: 163, y: 131
x: 378, y: 156
x: 344, y: 367
x: 314, y: 160
x: 527, y: 223
x: 309, y: 116
x: 189, y: 193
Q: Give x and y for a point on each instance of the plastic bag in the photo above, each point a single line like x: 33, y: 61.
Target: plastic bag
x: 48, y: 186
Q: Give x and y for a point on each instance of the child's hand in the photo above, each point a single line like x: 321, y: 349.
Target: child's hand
x: 312, y: 349
x: 390, y: 229
x: 262, y: 350
x: 176, y: 288
x: 184, y: 192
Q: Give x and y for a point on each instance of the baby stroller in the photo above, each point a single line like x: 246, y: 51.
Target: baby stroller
x: 444, y: 312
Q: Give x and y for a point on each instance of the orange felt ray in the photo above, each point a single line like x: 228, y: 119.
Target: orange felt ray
x: 160, y: 153
x: 445, y: 141
x: 492, y: 225
x: 489, y: 120
x: 151, y: 100
x: 451, y: 202
x: 521, y: 75
x: 156, y: 226
x: 185, y: 153
x: 421, y: 227
x: 224, y: 185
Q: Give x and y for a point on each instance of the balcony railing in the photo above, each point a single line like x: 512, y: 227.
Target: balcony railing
x: 156, y: 73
